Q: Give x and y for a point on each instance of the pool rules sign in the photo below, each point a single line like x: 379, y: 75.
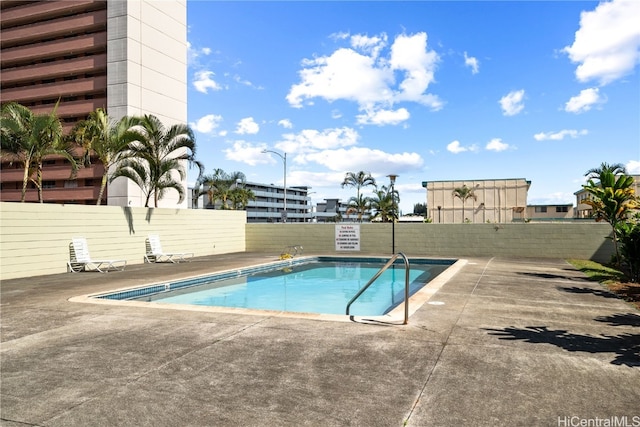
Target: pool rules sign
x: 347, y: 237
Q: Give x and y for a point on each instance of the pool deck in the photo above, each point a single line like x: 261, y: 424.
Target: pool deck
x: 508, y: 342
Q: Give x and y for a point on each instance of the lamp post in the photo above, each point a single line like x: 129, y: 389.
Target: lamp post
x: 284, y: 160
x: 392, y: 178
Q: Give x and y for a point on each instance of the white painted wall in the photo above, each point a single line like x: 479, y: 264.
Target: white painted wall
x: 146, y: 74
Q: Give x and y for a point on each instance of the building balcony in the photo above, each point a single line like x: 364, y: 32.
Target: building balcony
x: 51, y: 70
x: 53, y: 49
x: 53, y: 173
x: 25, y: 12
x: 69, y: 195
x: 54, y: 90
x: 60, y: 27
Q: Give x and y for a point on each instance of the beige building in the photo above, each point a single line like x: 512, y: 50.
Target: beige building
x: 495, y: 200
x: 550, y: 212
x: 584, y: 211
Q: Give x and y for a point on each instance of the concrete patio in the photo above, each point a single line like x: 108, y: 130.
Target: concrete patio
x: 509, y: 342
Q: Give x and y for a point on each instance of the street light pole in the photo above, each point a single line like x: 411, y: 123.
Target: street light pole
x: 392, y: 178
x: 284, y: 161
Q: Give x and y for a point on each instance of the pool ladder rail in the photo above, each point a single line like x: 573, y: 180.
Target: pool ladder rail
x: 382, y: 270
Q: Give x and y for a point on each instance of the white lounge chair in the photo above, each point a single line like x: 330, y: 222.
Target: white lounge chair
x: 80, y: 260
x: 156, y: 254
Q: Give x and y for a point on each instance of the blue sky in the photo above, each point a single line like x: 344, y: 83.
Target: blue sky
x: 426, y: 90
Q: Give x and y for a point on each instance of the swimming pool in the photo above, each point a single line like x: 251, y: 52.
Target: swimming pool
x: 307, y: 285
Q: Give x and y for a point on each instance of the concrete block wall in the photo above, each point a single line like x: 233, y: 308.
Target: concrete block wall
x: 584, y: 240
x: 34, y: 237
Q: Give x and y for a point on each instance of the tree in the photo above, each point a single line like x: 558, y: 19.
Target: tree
x: 629, y: 235
x: 240, y: 197
x: 359, y: 205
x: 613, y: 199
x: 384, y: 204
x: 616, y: 169
x: 420, y: 209
x: 223, y: 186
x: 28, y: 138
x: 359, y: 180
x: 106, y: 138
x: 463, y: 193
x: 158, y: 153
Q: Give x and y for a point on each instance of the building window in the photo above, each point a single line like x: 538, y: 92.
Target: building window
x: 71, y: 184
x: 562, y: 209
x: 48, y: 184
x: 541, y: 209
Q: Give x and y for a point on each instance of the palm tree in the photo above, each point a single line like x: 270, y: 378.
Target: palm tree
x: 106, y: 138
x: 153, y: 159
x: 221, y: 185
x: 240, y: 196
x: 359, y: 205
x: 359, y: 180
x: 463, y: 193
x: 616, y: 169
x: 613, y: 199
x: 384, y: 204
x: 28, y: 138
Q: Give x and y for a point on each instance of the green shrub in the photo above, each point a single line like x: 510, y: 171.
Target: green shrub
x: 629, y: 237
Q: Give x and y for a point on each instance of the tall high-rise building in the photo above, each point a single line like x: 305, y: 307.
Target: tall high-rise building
x: 129, y: 57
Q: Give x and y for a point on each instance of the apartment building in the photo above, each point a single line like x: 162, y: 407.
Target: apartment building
x: 129, y: 57
x: 269, y: 203
x: 493, y: 200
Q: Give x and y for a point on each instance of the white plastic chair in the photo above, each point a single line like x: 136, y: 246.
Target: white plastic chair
x: 156, y: 254
x: 80, y: 259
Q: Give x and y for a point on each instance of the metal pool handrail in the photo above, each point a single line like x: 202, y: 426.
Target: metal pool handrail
x: 382, y: 270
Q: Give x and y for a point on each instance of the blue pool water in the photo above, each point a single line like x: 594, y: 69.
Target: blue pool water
x: 322, y: 285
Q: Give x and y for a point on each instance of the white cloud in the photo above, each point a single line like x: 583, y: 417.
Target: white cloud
x: 362, y: 158
x: 203, y: 81
x: 410, y: 54
x: 633, y: 167
x: 372, y: 45
x: 607, y: 44
x: 242, y: 81
x: 312, y: 140
x: 584, y: 101
x: 383, y: 117
x: 247, y: 126
x: 512, y: 103
x: 206, y: 124
x: 285, y: 123
x: 346, y: 74
x: 328, y: 181
x: 472, y: 62
x: 250, y: 154
x: 360, y: 74
x: 455, y: 147
x: 559, y: 136
x: 194, y: 54
x: 496, y: 144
